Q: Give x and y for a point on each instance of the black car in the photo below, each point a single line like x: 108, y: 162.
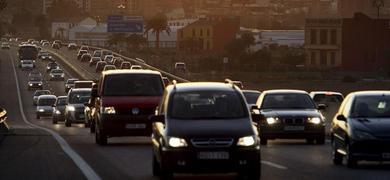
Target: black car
x: 290, y: 114
x: 204, y: 128
x: 52, y: 65
x: 361, y: 128
x: 80, y: 53
x: 35, y: 82
x: 86, y: 57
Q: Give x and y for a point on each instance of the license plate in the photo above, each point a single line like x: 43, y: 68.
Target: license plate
x: 213, y: 155
x: 294, y: 128
x: 386, y: 155
x: 135, y: 126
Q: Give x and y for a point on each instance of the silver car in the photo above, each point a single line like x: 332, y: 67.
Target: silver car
x: 57, y: 74
x: 74, y: 111
x: 45, y: 106
x: 38, y: 93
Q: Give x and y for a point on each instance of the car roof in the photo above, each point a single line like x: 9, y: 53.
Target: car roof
x: 48, y: 96
x: 128, y: 71
x: 199, y: 86
x: 83, y: 81
x: 326, y: 92
x: 62, y: 97
x: 371, y: 93
x: 281, y: 91
x: 41, y: 91
x: 80, y: 89
x: 250, y: 91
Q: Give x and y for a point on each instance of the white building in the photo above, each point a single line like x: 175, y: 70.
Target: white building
x: 82, y: 4
x: 89, y: 32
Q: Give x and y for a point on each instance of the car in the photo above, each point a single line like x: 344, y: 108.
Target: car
x: 180, y: 67
x: 38, y: 93
x: 56, y: 46
x: 136, y: 67
x: 124, y: 110
x: 86, y: 57
x: 30, y: 41
x: 35, y: 74
x: 72, y: 46
x: 361, y: 129
x: 94, y: 61
x: 90, y: 111
x: 5, y: 45
x: 108, y: 59
x: 45, y: 56
x: 74, y: 111
x: 167, y: 82
x: 251, y: 96
x: 80, y: 53
x: 52, y: 65
x: 45, y: 105
x: 36, y: 43
x: 289, y: 114
x: 69, y: 84
x: 3, y: 114
x: 105, y: 53
x: 125, y: 65
x: 84, y: 48
x: 204, y: 127
x: 57, y: 74
x: 100, y: 66
x: 117, y: 62
x: 97, y: 53
x: 45, y: 44
x: 83, y: 84
x: 35, y: 82
x: 59, y: 42
x: 59, y: 109
x: 43, y: 41
x: 109, y: 67
x: 27, y: 64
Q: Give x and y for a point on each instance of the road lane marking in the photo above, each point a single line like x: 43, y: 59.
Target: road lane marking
x: 278, y: 166
x: 87, y: 170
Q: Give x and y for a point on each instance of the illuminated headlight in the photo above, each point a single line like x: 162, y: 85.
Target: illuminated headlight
x: 272, y: 120
x: 177, y: 142
x: 30, y: 84
x: 314, y: 120
x: 40, y: 84
x: 71, y: 108
x: 47, y: 67
x: 52, y: 75
x: 58, y: 112
x: 361, y: 135
x: 41, y: 110
x: 109, y: 110
x: 246, y: 141
x: 62, y: 75
x: 50, y: 57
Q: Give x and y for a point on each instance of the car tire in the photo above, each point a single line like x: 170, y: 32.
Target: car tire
x: 67, y: 123
x: 320, y: 140
x: 156, y: 167
x: 100, y: 137
x: 38, y: 117
x: 336, y: 156
x: 310, y: 141
x: 351, y: 161
x: 263, y: 141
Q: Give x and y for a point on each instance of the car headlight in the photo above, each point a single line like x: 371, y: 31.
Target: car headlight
x: 109, y: 110
x: 47, y: 67
x: 362, y: 135
x: 30, y: 84
x: 41, y: 110
x: 58, y: 112
x: 177, y: 142
x: 71, y: 108
x: 52, y: 75
x: 246, y: 141
x: 314, y: 120
x: 62, y: 75
x: 272, y: 120
x: 40, y: 84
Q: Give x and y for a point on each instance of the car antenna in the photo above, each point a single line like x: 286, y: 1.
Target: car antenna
x: 228, y: 81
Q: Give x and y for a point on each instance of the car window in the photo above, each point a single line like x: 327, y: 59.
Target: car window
x: 79, y: 97
x: 57, y: 71
x: 323, y: 98
x: 42, y: 93
x: 207, y: 105
x: 46, y: 102
x: 371, y: 106
x: 133, y: 85
x: 251, y: 97
x: 287, y: 101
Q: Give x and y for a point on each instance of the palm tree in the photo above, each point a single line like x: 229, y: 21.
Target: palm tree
x: 135, y: 41
x: 157, y: 24
x: 116, y: 39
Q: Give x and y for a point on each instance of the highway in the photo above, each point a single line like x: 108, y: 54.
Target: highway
x: 35, y: 148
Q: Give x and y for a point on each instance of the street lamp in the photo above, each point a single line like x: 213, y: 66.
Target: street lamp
x: 121, y: 8
x: 378, y: 4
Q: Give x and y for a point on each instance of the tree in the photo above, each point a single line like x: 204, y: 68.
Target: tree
x: 42, y: 23
x: 64, y: 10
x: 116, y: 38
x: 135, y: 41
x: 157, y: 24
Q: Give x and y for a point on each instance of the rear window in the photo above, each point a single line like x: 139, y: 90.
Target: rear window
x: 287, y: 101
x: 207, y: 105
x: 71, y: 81
x: 133, y: 85
x: 61, y: 101
x: 46, y: 102
x: 79, y: 97
x: 251, y: 97
x: 324, y: 98
x: 35, y: 78
x: 57, y: 71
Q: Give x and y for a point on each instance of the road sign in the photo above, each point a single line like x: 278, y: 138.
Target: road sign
x: 123, y: 24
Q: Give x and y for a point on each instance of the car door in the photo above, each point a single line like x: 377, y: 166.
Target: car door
x: 340, y: 128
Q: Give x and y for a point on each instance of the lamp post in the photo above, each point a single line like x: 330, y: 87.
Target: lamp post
x: 378, y: 4
x: 121, y: 8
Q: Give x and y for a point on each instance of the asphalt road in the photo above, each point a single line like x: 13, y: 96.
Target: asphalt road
x: 31, y: 153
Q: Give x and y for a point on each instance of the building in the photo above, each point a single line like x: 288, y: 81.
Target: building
x: 347, y: 8
x: 211, y: 34
x: 84, y: 5
x: 89, y: 32
x: 359, y: 43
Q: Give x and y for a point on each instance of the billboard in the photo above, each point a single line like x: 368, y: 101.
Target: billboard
x: 125, y: 24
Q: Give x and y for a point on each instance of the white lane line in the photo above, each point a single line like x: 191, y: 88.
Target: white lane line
x: 278, y: 166
x: 88, y: 172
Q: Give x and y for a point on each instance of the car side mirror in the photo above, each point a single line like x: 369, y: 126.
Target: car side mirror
x: 322, y: 106
x: 157, y: 118
x: 341, y: 117
x: 254, y: 107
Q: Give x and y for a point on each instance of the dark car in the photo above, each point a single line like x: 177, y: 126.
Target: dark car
x: 72, y: 46
x: 59, y: 109
x: 52, y: 65
x: 57, y: 74
x: 80, y: 54
x: 100, y: 66
x: 251, y: 96
x: 70, y: 84
x: 74, y: 111
x: 35, y: 82
x: 124, y: 110
x: 204, y: 128
x: 118, y: 62
x: 361, y: 129
x: 86, y: 57
x: 94, y: 61
x: 56, y: 46
x: 126, y: 65
x: 290, y: 114
x: 97, y: 53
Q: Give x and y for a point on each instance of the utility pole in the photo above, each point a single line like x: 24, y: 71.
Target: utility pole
x: 378, y: 4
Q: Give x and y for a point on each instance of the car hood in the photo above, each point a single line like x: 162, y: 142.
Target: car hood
x: 131, y: 101
x: 232, y: 128
x: 293, y: 113
x: 57, y: 74
x: 379, y: 127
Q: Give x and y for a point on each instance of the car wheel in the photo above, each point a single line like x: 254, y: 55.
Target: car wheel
x: 320, y: 140
x: 38, y: 117
x: 310, y: 141
x: 263, y: 141
x: 67, y: 123
x: 351, y: 161
x: 100, y: 137
x: 336, y: 156
x: 156, y: 167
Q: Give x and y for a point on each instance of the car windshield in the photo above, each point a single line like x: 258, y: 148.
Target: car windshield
x: 371, y: 107
x: 79, y: 97
x: 251, y: 97
x: 35, y: 78
x: 57, y: 71
x: 38, y: 93
x: 46, y: 102
x: 328, y: 98
x: 207, y: 105
x: 287, y: 101
x: 133, y: 85
x: 53, y: 64
x: 61, y: 101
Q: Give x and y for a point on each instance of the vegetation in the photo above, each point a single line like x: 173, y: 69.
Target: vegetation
x: 157, y: 24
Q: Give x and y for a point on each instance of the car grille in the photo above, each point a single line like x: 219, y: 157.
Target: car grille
x: 129, y: 111
x: 293, y: 120
x: 212, y: 142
